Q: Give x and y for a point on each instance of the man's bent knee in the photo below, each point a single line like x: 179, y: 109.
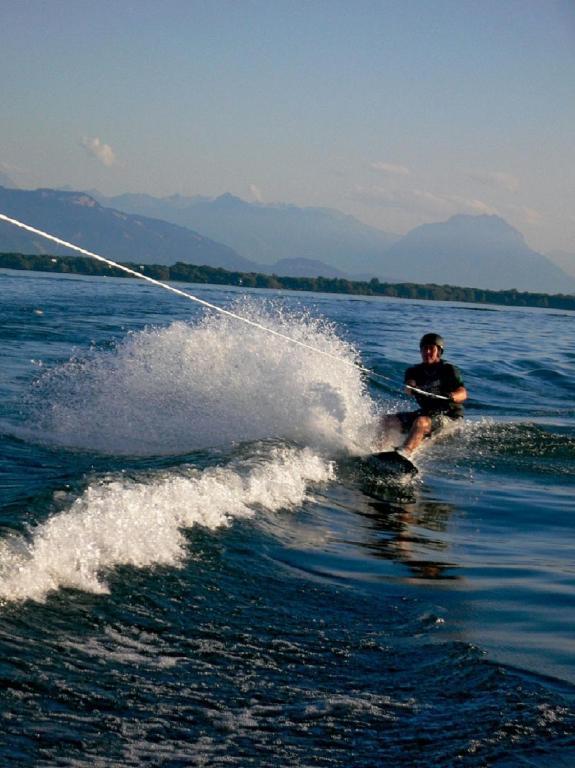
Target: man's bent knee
x: 423, y: 424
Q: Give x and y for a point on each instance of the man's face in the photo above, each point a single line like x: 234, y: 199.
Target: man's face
x: 430, y: 353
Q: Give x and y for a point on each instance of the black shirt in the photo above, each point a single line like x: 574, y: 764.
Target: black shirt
x: 441, y: 378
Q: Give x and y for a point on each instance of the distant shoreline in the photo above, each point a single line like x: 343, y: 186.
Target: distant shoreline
x: 190, y: 273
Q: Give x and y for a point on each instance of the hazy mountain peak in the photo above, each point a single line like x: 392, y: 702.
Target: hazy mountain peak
x: 480, y: 229
x: 477, y: 225
x: 229, y: 201
x: 491, y: 220
x: 481, y: 251
x: 488, y: 225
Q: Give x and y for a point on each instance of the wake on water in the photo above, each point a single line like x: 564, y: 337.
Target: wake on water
x: 175, y: 390
x: 126, y: 522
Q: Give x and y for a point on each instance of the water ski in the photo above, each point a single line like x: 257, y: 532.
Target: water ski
x: 391, y: 463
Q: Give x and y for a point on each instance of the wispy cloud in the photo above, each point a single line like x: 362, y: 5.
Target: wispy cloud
x: 497, y: 179
x: 527, y: 215
x: 421, y: 202
x: 390, y: 169
x: 256, y: 193
x: 102, y: 152
x: 10, y: 168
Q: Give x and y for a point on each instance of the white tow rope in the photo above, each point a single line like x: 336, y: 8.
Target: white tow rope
x: 190, y: 296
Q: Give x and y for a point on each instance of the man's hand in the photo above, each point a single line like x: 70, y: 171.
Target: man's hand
x: 459, y: 396
x: 409, y: 384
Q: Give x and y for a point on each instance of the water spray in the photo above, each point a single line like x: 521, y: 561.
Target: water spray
x: 214, y: 307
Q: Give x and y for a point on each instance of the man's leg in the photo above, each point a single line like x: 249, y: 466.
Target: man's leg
x: 420, y: 429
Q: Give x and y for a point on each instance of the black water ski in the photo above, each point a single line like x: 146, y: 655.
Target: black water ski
x: 391, y: 463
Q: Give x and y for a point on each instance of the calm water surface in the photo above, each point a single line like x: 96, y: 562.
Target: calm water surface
x: 196, y: 568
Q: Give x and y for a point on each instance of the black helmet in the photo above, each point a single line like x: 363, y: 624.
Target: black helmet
x: 432, y: 338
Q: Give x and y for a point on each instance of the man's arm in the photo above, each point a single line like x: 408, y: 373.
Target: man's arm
x: 458, y: 395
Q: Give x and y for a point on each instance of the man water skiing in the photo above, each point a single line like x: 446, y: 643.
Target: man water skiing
x: 436, y: 377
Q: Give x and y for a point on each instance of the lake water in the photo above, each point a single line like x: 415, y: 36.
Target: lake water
x: 196, y: 570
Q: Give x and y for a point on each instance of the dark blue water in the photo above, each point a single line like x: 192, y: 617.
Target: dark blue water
x: 196, y: 570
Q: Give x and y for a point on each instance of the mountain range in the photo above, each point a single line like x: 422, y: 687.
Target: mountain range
x: 80, y: 219
x: 268, y: 233
x: 473, y: 251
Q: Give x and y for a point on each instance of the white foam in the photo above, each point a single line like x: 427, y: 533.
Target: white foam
x: 220, y: 382
x: 127, y: 522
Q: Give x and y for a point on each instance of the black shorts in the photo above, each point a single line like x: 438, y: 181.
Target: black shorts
x: 438, y: 420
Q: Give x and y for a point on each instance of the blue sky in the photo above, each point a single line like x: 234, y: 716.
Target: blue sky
x: 399, y: 112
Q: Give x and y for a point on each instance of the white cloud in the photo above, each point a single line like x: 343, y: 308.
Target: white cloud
x: 390, y: 169
x: 10, y: 168
x: 472, y: 205
x: 498, y: 179
x: 526, y: 215
x: 421, y: 202
x: 256, y: 193
x: 102, y: 152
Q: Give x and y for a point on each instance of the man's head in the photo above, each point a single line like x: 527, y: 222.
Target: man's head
x: 431, y: 347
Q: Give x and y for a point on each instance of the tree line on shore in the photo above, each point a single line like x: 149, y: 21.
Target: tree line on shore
x: 190, y: 273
